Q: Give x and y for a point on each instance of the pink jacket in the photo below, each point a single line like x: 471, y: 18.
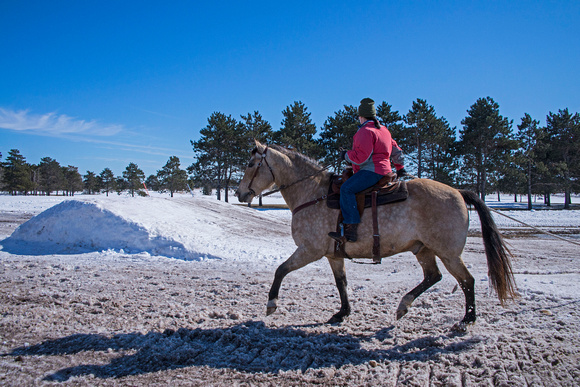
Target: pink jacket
x: 372, y: 149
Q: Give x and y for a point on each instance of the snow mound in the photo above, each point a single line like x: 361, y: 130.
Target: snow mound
x: 190, y: 229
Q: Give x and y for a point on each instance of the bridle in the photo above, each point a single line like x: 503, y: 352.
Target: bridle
x: 264, y: 160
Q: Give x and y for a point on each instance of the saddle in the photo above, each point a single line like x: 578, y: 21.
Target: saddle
x: 387, y: 190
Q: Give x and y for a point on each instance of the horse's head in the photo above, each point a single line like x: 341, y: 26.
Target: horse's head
x: 258, y: 176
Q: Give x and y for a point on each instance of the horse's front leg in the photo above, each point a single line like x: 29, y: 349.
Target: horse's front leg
x: 337, y: 265
x: 300, y: 258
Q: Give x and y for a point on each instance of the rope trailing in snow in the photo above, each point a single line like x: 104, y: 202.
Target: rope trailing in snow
x: 536, y: 228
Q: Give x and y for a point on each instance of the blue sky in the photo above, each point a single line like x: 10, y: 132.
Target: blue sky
x: 99, y: 84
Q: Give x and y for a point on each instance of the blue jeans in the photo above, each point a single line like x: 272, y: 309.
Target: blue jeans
x: 357, y: 183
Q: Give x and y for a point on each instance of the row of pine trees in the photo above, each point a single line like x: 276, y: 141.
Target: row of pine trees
x: 49, y: 177
x: 488, y: 155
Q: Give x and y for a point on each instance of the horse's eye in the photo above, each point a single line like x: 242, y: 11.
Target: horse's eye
x: 251, y: 164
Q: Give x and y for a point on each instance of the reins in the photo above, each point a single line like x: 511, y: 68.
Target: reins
x: 283, y: 186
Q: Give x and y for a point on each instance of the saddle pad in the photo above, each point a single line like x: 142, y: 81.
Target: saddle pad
x: 396, y: 193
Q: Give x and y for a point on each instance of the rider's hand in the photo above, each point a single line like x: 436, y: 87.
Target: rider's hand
x: 401, y: 172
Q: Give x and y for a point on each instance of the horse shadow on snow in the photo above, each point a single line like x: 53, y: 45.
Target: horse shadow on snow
x: 246, y: 347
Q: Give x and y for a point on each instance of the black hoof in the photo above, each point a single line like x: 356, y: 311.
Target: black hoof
x: 337, y: 318
x: 463, y: 325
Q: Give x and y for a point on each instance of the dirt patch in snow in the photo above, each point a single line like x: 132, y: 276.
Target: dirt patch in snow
x: 108, y: 318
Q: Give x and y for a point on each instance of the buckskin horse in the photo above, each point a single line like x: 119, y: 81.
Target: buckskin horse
x: 432, y: 222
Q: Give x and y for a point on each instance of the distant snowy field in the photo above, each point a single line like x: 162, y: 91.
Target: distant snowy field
x: 186, y: 227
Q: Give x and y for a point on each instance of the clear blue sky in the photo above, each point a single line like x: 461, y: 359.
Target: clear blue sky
x: 99, y: 84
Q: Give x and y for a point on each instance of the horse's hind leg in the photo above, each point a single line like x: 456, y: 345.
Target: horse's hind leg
x: 337, y: 265
x: 432, y: 275
x: 457, y: 268
x: 300, y: 258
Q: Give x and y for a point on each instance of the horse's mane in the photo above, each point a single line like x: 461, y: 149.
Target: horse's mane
x: 293, y: 154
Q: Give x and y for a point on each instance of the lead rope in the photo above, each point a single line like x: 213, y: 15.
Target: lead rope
x: 536, y: 228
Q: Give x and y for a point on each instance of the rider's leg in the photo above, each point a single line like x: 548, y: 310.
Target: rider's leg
x: 357, y: 183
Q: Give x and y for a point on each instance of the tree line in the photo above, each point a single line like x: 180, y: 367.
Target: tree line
x: 48, y: 177
x: 488, y: 155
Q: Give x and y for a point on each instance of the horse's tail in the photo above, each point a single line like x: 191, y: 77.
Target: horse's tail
x: 498, y: 262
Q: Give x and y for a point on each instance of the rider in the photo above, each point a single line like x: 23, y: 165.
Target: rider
x: 372, y: 149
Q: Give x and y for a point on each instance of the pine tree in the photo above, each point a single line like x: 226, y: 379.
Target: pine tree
x: 1, y: 174
x: 121, y: 184
x: 529, y: 137
x: 107, y: 180
x: 219, y: 152
x: 17, y: 173
x: 133, y: 177
x: 50, y: 176
x: 298, y: 130
x: 72, y: 180
x: 153, y: 184
x: 171, y: 176
x: 485, y: 141
x: 255, y: 127
x: 430, y: 140
x: 563, y: 137
x: 392, y: 120
x: 337, y: 132
x: 91, y: 182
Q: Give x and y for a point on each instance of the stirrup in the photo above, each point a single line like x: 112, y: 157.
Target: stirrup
x: 337, y: 237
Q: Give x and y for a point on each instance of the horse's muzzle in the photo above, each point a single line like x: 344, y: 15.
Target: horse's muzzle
x: 245, y: 197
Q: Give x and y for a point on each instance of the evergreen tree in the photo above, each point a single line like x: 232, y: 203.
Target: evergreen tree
x: 72, y: 180
x: 171, y: 176
x: 91, y: 182
x: 392, y: 120
x: 107, y: 180
x: 430, y: 140
x: 153, y: 184
x: 1, y: 174
x: 50, y: 176
x: 337, y: 132
x: 563, y: 137
x: 298, y: 130
x: 121, y: 184
x: 255, y: 127
x: 220, y: 152
x: 133, y: 177
x: 17, y: 173
x: 529, y: 137
x: 485, y: 142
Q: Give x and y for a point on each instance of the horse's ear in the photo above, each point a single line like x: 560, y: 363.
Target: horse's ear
x: 259, y: 146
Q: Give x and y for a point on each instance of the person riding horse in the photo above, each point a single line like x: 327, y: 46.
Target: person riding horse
x: 370, y: 156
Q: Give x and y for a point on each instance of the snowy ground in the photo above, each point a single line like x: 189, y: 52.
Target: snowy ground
x: 138, y: 291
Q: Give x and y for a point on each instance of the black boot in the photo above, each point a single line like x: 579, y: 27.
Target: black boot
x: 350, y: 233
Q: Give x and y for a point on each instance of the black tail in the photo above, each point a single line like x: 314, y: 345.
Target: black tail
x: 498, y: 261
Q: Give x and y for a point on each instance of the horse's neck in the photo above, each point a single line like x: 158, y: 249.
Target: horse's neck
x: 300, y: 191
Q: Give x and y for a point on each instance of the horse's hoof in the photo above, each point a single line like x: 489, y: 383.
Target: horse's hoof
x: 335, y: 319
x: 401, y: 313
x: 461, y: 327
x: 270, y: 310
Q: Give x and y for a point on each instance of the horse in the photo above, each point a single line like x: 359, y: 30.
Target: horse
x: 432, y: 222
